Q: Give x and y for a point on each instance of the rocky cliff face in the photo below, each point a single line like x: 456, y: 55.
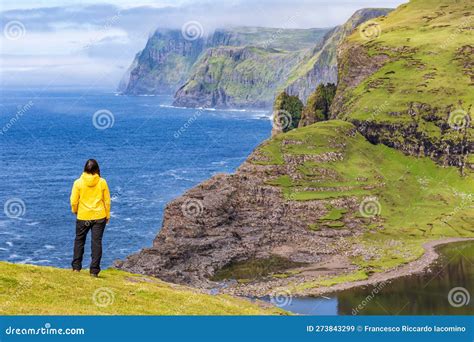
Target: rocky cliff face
x: 322, y: 198
x: 406, y: 94
x: 232, y: 218
x: 163, y: 65
x: 236, y: 77
x: 166, y: 63
x: 320, y: 63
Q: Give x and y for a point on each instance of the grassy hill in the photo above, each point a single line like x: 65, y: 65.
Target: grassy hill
x: 34, y: 290
x: 406, y: 80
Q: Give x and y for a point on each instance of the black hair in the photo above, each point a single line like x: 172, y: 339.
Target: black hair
x: 92, y: 167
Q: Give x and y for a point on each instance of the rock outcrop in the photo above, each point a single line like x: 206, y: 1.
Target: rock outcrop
x: 232, y: 218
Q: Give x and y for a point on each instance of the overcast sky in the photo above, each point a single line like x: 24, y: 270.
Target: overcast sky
x: 70, y: 43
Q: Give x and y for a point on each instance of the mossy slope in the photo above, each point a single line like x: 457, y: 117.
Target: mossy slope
x: 407, y: 81
x: 34, y: 290
x: 402, y: 201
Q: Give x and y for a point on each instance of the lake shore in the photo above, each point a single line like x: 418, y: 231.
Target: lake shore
x: 414, y: 267
x: 340, y: 267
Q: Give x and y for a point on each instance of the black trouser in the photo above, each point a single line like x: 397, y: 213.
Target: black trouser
x: 82, y: 228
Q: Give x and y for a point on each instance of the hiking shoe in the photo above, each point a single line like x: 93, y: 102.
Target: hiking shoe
x: 94, y: 275
x: 76, y: 270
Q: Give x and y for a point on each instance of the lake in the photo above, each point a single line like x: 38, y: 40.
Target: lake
x: 444, y: 290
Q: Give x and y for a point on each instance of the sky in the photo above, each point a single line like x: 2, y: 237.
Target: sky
x: 69, y: 43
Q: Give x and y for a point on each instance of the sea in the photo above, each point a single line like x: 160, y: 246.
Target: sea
x: 149, y: 152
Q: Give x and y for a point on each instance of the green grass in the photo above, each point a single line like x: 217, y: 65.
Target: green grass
x: 334, y: 215
x: 34, y: 290
x: 417, y: 199
x: 423, y: 42
x: 329, y: 281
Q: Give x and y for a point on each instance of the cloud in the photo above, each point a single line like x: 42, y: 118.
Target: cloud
x: 94, y: 36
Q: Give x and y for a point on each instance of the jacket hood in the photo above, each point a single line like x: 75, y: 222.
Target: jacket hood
x: 90, y: 180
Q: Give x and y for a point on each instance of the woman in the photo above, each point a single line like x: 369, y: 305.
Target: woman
x: 90, y: 201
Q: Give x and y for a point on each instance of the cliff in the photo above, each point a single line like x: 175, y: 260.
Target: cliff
x: 237, y: 77
x: 165, y: 64
x: 327, y: 203
x: 319, y: 65
x: 320, y: 200
x: 407, y: 81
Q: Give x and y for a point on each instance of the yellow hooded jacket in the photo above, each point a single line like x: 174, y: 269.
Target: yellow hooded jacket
x: 90, y: 198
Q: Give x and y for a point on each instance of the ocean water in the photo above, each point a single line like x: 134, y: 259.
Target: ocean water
x: 149, y: 153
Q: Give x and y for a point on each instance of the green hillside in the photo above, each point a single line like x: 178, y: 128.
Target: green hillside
x: 34, y: 290
x: 391, y: 203
x: 407, y: 80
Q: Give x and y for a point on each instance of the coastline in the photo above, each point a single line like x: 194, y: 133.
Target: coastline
x: 417, y: 266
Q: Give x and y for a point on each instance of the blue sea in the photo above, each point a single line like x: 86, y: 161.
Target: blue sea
x: 149, y: 153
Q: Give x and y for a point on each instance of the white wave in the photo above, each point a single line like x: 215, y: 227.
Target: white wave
x: 35, y: 223
x: 9, y: 243
x: 49, y: 247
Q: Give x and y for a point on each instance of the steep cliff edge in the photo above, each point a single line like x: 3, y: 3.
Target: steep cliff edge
x: 236, y: 77
x: 163, y: 64
x: 319, y: 65
x: 245, y: 67
x: 406, y: 80
x: 320, y: 197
